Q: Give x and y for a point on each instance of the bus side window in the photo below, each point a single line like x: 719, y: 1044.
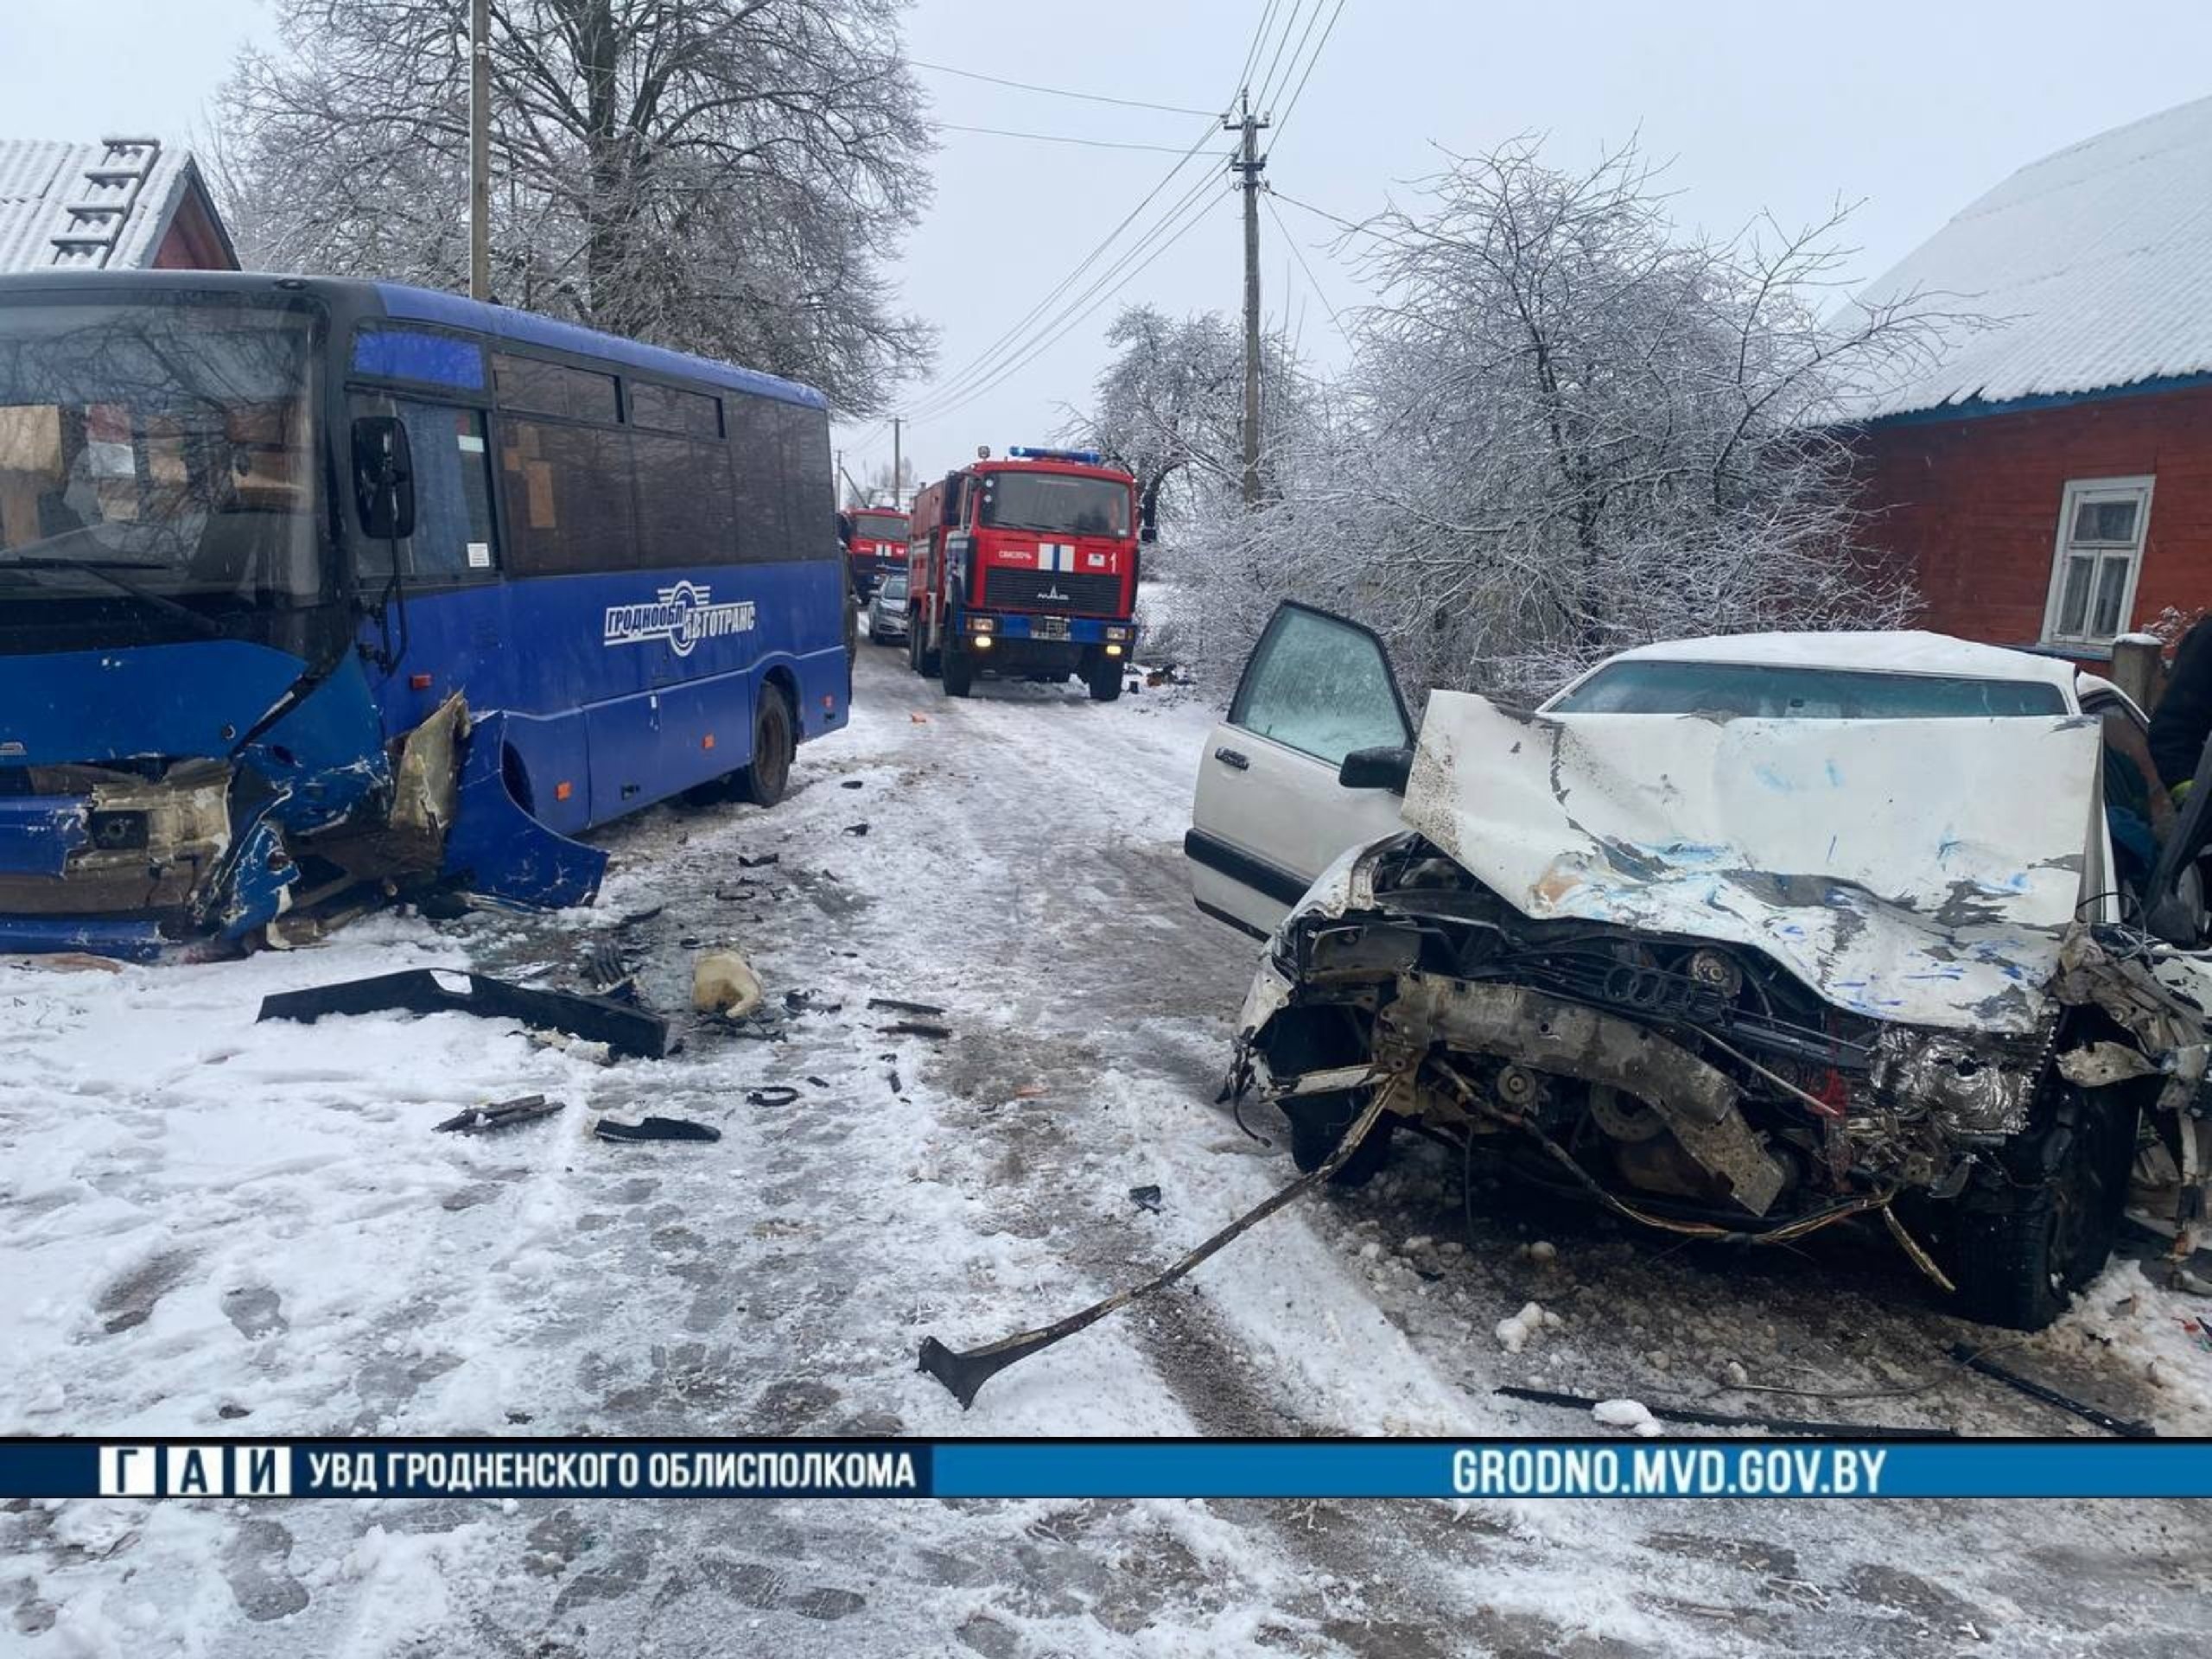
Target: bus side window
x: 453, y: 537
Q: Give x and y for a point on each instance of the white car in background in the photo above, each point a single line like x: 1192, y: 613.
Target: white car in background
x: 1738, y: 936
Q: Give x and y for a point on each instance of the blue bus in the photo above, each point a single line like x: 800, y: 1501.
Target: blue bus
x: 308, y: 587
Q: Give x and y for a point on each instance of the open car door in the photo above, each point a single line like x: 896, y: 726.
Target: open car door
x: 1270, y: 814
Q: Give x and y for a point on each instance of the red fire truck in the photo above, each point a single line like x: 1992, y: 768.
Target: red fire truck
x: 875, y: 545
x: 1025, y: 566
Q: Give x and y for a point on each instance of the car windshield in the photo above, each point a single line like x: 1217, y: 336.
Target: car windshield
x: 882, y: 526
x: 895, y: 588
x: 1768, y: 691
x: 1057, y: 503
x: 171, y: 445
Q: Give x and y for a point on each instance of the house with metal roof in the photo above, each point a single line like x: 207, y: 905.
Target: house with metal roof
x: 2046, y: 478
x: 121, y: 204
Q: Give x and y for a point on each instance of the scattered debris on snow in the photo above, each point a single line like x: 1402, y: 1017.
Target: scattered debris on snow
x: 656, y: 1129
x: 1632, y: 1415
x: 1513, y: 1334
x: 483, y: 1120
x: 723, y: 982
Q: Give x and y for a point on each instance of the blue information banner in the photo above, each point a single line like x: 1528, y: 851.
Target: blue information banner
x: 1669, y: 1467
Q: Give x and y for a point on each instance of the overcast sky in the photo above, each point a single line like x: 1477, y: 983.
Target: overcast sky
x: 1915, y: 106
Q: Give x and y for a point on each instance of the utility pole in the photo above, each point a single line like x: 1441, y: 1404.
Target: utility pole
x: 1250, y: 164
x: 479, y: 149
x: 840, y: 481
x: 898, y: 472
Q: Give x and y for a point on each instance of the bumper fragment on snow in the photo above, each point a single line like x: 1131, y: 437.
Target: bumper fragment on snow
x: 128, y: 940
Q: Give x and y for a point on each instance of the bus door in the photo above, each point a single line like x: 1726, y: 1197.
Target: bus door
x: 437, y: 607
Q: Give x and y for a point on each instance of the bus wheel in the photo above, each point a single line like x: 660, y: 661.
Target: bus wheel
x: 1104, y: 675
x: 770, y: 774
x: 959, y: 670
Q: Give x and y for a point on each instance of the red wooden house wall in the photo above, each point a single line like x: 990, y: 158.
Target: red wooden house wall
x: 1969, y: 508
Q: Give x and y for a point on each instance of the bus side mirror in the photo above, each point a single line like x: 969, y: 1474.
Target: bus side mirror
x: 384, y: 477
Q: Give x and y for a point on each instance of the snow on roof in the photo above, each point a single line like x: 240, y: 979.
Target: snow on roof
x: 2095, y: 264
x: 1899, y: 651
x: 105, y: 206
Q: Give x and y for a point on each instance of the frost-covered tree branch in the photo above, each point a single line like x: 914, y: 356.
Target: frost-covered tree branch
x: 1568, y: 426
x: 722, y: 176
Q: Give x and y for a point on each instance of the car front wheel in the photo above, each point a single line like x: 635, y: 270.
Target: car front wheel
x: 2027, y: 1241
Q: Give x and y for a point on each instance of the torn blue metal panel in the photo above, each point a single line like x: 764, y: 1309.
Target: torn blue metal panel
x: 325, y: 757
x: 98, y: 936
x: 498, y: 849
x: 261, y: 879
x: 39, y: 832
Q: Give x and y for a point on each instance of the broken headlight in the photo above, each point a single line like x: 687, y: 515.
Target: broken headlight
x: 116, y: 832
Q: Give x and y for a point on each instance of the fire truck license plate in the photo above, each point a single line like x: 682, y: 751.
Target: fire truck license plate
x: 1049, y: 627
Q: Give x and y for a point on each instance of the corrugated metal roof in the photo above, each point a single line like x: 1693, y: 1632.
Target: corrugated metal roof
x: 99, y: 206
x: 2095, y: 264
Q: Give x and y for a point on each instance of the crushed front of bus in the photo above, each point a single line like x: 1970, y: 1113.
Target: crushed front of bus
x: 180, y: 706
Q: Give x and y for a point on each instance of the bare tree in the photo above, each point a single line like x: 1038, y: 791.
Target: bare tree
x: 1169, y: 406
x: 722, y: 176
x: 1570, y: 428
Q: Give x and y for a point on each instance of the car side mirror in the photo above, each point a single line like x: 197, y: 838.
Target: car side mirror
x: 1388, y: 767
x: 384, y: 477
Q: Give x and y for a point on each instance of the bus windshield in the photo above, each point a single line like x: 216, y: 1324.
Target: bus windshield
x: 167, y: 450
x: 881, y: 526
x: 1056, y: 503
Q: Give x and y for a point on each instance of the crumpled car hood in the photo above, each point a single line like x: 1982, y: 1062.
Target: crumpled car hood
x: 1923, y: 871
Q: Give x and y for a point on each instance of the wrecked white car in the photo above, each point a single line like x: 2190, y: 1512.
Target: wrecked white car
x: 1738, y: 937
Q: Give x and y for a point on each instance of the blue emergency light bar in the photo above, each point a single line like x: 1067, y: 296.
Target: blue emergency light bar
x: 1086, y: 457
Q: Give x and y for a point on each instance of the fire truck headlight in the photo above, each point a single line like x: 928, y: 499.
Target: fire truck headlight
x: 983, y: 624
x: 1113, y: 651
x: 983, y: 642
x: 1117, y: 633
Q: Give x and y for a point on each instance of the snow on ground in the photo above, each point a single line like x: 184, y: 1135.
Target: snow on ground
x: 211, y: 1225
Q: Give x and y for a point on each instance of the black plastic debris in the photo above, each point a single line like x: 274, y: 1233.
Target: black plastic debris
x: 892, y: 1005
x: 1972, y: 1359
x: 850, y: 783
x: 606, y: 968
x: 763, y: 859
x: 856, y: 829
x: 484, y: 1119
x: 624, y: 1028
x: 801, y: 1001
x: 775, y: 1094
x: 917, y: 1028
x: 637, y: 916
x: 819, y: 1083
x: 656, y: 1129
x: 1147, y: 1197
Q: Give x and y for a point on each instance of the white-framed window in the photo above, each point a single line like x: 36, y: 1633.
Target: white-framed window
x: 2101, y: 525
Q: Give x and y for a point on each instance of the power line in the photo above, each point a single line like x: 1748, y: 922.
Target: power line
x: 1056, y: 138
x: 983, y: 363
x: 1252, y: 51
x: 1024, y: 350
x: 1285, y: 117
x: 1312, y: 282
x: 1282, y: 41
x: 1058, y: 91
x: 1190, y: 223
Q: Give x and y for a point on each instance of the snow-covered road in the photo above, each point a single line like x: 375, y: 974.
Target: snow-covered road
x: 208, y: 1225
